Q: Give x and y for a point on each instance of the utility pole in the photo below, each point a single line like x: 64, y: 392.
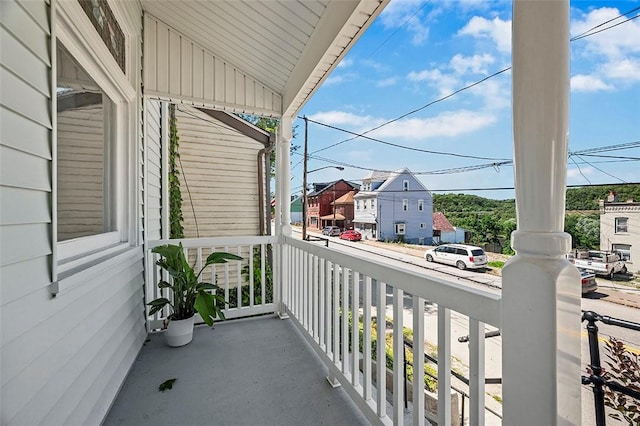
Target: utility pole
x: 304, y: 180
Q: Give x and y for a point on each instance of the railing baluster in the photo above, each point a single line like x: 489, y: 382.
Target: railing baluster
x: 304, y: 313
x: 345, y: 320
x: 251, y: 280
x: 444, y: 365
x: 476, y: 372
x: 418, y: 361
x: 321, y: 304
x: 398, y: 357
x: 226, y: 278
x: 239, y: 277
x: 355, y: 330
x: 328, y: 275
x: 381, y: 356
x: 263, y: 275
x: 314, y: 300
x: 366, y: 340
x: 336, y: 313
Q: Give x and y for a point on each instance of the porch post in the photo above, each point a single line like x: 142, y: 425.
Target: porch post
x: 283, y: 209
x: 541, y: 290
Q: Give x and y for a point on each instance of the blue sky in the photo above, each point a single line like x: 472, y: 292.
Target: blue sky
x: 417, y: 52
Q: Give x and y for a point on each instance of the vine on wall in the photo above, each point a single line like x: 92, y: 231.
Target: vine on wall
x: 175, y: 197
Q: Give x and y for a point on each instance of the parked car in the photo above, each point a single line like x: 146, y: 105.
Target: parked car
x: 351, y: 235
x: 460, y: 255
x: 588, y: 279
x: 331, y: 231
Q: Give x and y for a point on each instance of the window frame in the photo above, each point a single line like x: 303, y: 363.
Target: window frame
x: 76, y: 255
x: 397, y: 228
x: 405, y: 204
x: 423, y: 225
x: 420, y: 205
x: 617, y: 225
x: 405, y: 185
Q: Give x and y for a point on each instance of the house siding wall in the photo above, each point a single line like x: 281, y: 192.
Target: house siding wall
x: 219, y: 175
x: 389, y: 210
x: 609, y: 237
x: 63, y: 358
x: 153, y: 170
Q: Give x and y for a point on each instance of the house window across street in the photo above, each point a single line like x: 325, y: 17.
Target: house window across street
x: 420, y: 205
x: 423, y: 225
x: 400, y: 228
x: 621, y: 225
x: 624, y: 250
x: 405, y: 205
x: 405, y: 185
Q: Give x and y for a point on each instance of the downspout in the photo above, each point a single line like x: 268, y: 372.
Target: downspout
x: 264, y: 188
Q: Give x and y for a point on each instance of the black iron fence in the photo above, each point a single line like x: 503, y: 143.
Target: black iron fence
x: 598, y: 377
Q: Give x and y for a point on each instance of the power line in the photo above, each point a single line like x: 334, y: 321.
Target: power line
x: 362, y: 135
x: 356, y: 135
x: 577, y: 37
x: 599, y: 169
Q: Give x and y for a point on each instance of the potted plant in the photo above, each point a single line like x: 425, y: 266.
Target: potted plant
x: 189, y: 294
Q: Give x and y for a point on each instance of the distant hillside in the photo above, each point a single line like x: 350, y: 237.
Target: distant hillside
x: 587, y: 198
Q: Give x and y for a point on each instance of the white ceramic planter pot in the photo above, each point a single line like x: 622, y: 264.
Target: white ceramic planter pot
x: 179, y: 332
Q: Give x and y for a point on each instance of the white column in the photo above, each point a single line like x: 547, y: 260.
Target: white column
x: 541, y: 290
x: 283, y: 177
x: 283, y: 211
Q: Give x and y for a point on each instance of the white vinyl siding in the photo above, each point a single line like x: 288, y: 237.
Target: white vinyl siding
x: 220, y: 169
x: 63, y: 358
x: 153, y: 170
x: 176, y: 67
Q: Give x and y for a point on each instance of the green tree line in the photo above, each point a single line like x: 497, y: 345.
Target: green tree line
x: 493, y: 221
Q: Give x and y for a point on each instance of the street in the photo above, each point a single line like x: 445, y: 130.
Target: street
x: 598, y: 302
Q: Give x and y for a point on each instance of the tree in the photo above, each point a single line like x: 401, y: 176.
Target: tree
x: 269, y: 125
x: 584, y: 230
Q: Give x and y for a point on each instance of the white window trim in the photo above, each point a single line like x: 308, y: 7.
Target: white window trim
x: 615, y: 225
x: 405, y: 204
x: 397, y: 228
x: 420, y: 205
x: 423, y: 226
x: 405, y: 185
x: 75, y: 32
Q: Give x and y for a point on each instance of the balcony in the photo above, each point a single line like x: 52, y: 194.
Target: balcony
x: 268, y: 370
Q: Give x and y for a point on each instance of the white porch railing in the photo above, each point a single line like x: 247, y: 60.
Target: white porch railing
x: 322, y: 287
x: 246, y: 285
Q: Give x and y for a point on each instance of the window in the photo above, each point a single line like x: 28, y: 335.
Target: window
x: 400, y: 228
x: 621, y: 225
x: 624, y: 250
x: 405, y: 185
x: 373, y: 204
x: 423, y: 225
x: 405, y: 205
x: 420, y: 205
x: 84, y: 151
x: 364, y: 204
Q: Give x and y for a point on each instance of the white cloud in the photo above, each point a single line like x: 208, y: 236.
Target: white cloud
x: 345, y: 63
x: 588, y: 83
x: 476, y: 63
x: 406, y: 13
x: 497, y: 30
x: 342, y: 118
x: 340, y: 78
x: 625, y: 69
x: 447, y: 124
x: 613, y: 43
x: 574, y: 172
x: 444, y: 83
x: 386, y: 82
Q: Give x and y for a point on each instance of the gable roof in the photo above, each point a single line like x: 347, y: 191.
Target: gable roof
x: 319, y: 188
x: 376, y: 176
x: 393, y: 176
x: 441, y: 223
x: 346, y: 198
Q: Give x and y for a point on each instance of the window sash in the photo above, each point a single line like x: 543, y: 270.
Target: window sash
x: 621, y: 225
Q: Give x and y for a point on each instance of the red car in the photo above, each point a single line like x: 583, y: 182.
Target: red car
x: 350, y: 235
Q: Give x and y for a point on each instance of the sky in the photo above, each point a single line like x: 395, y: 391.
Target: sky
x: 417, y: 52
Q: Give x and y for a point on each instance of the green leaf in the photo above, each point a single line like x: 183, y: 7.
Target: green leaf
x: 206, y: 286
x: 167, y: 384
x: 204, y: 304
x: 164, y: 284
x: 220, y: 257
x: 159, y: 302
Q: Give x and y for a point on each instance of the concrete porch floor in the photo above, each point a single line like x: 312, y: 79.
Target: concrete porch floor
x: 241, y: 372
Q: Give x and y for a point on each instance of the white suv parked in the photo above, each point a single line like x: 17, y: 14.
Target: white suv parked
x: 460, y: 255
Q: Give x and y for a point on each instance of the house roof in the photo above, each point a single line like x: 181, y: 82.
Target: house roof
x: 441, y: 223
x: 393, y: 176
x: 288, y: 47
x: 346, y: 198
x: 336, y: 216
x: 376, y: 176
x: 319, y: 188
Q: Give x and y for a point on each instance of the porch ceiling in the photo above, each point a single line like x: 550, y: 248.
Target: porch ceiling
x: 288, y: 46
